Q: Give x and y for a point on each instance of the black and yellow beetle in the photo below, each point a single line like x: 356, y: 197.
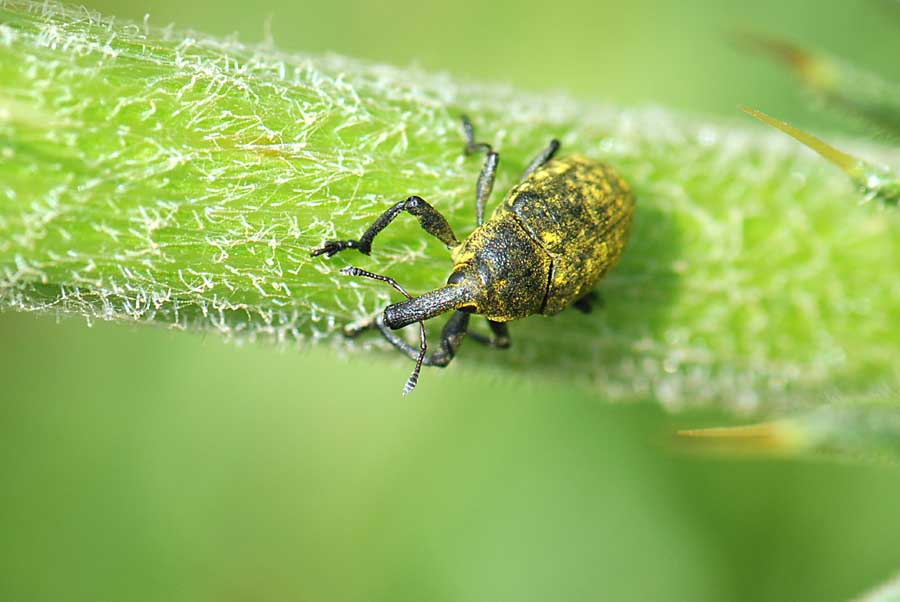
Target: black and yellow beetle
x: 544, y: 248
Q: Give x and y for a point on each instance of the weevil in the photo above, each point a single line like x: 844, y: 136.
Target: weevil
x: 557, y: 232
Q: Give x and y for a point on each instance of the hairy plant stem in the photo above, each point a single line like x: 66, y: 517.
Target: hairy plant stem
x: 166, y: 177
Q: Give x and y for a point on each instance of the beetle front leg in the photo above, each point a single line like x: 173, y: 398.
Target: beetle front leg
x: 429, y: 218
x: 452, y: 336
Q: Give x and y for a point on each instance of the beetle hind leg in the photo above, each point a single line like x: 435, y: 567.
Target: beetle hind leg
x: 586, y: 303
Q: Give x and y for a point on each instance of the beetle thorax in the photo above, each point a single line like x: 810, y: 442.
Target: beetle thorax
x: 504, y: 269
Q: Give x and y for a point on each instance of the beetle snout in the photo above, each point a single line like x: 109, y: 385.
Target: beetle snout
x: 426, y: 306
x: 395, y: 317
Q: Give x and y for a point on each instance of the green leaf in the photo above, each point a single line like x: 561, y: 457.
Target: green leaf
x: 182, y: 180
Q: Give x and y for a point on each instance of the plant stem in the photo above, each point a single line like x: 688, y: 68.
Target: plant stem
x: 165, y: 177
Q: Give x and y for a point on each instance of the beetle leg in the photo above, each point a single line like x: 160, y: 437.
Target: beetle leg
x: 430, y: 219
x: 500, y: 338
x: 451, y: 338
x: 485, y: 184
x: 586, y: 303
x: 542, y: 157
x: 488, y: 170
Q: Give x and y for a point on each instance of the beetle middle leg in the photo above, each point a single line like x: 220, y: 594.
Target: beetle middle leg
x: 429, y: 218
x: 499, y: 335
x: 488, y: 170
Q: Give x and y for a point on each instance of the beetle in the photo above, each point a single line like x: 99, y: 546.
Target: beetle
x: 557, y: 232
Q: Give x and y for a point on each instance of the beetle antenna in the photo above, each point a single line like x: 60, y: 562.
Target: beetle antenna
x: 413, y: 379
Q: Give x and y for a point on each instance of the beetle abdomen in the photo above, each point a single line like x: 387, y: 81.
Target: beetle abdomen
x: 580, y: 212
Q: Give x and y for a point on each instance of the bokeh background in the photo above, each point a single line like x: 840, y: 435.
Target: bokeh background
x: 143, y: 464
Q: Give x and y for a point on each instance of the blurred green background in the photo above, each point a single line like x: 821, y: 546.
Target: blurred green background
x: 143, y: 464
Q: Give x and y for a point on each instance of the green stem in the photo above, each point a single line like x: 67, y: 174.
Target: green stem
x: 182, y: 180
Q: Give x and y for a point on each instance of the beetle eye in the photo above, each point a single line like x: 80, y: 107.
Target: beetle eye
x: 456, y: 278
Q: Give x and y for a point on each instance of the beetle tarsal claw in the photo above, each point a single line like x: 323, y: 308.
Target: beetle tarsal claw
x: 328, y: 249
x: 333, y: 247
